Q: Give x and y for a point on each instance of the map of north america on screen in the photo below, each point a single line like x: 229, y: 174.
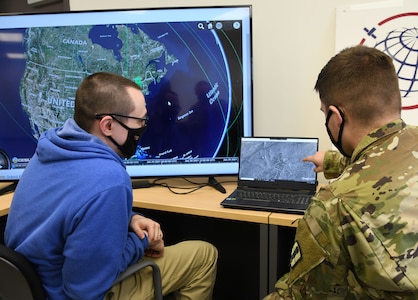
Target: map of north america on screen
x: 184, y: 77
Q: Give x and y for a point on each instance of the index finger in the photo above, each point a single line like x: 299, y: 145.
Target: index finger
x: 308, y: 158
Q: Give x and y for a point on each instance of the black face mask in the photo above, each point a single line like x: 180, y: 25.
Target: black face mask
x: 337, y: 143
x: 134, y: 135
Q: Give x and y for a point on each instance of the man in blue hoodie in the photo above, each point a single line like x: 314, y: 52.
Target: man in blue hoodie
x: 71, y: 213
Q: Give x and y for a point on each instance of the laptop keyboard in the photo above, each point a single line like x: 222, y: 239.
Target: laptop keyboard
x: 292, y: 198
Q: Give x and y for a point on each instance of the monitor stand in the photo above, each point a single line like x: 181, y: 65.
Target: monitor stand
x: 8, y: 188
x: 216, y: 185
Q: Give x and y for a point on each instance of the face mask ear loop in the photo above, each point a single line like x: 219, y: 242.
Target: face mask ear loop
x: 337, y: 143
x: 340, y: 134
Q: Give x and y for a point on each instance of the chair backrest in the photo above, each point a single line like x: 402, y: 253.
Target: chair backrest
x: 18, y: 278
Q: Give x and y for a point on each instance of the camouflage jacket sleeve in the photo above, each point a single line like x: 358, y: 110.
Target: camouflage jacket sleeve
x: 363, y: 223
x: 318, y: 269
x: 334, y: 164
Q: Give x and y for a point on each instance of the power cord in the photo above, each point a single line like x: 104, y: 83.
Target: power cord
x: 190, y: 189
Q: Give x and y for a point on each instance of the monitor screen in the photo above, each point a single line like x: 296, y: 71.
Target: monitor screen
x: 194, y: 66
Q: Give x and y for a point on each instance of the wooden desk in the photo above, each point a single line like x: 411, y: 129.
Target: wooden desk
x: 224, y: 227
x: 5, y: 200
x: 275, y: 241
x: 203, y: 202
x: 287, y: 220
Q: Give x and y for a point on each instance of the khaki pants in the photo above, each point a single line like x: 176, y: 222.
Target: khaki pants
x: 188, y: 270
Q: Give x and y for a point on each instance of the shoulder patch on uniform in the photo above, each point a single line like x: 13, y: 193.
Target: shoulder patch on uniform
x: 296, y: 255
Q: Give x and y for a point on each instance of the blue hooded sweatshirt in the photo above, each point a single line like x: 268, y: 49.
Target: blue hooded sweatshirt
x: 70, y: 215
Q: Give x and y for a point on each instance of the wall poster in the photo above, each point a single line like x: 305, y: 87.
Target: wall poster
x: 390, y: 26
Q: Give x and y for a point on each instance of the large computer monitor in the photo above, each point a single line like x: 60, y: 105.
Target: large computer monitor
x: 194, y: 65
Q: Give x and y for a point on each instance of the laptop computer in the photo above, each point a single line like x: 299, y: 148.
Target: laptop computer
x: 270, y: 168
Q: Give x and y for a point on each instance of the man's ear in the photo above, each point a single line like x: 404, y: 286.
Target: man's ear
x: 105, y: 125
x: 339, y: 114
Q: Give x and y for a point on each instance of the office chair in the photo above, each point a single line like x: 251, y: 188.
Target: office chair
x: 156, y: 276
x: 19, y: 280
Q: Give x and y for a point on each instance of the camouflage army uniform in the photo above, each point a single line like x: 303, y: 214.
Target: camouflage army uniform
x: 359, y: 237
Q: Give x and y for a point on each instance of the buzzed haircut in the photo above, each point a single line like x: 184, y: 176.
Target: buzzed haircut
x: 102, y: 92
x: 362, y: 80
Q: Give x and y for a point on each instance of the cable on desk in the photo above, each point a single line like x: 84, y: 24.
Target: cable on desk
x: 172, y: 188
x: 196, y: 185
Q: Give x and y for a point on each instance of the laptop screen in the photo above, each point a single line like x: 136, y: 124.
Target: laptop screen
x: 274, y: 160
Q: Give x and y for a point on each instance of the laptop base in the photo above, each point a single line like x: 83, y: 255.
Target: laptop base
x: 262, y: 205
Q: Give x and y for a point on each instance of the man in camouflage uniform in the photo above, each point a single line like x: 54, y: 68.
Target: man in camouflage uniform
x: 359, y: 237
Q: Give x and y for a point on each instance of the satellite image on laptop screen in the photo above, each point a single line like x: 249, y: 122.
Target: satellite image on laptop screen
x: 277, y: 160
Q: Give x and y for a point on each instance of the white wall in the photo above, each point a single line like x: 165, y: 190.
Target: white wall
x: 292, y: 40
